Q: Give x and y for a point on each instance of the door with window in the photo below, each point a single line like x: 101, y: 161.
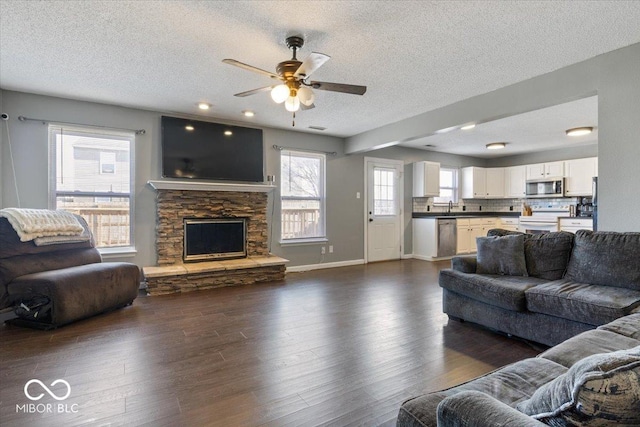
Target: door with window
x: 383, y: 214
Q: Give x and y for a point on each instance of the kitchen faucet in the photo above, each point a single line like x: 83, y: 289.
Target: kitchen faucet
x: 450, y: 206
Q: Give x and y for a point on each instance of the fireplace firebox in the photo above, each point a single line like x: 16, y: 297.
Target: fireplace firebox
x: 214, y: 239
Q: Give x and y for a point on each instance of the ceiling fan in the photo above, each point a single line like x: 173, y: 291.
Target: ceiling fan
x: 295, y: 88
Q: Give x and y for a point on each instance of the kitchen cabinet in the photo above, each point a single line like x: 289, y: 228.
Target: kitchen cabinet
x: 468, y: 229
x: 514, y: 181
x: 482, y: 183
x: 426, y: 179
x: 545, y: 170
x: 579, y: 176
x: 509, y: 223
x: 574, y: 224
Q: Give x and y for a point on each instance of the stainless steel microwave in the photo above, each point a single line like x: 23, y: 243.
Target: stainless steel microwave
x: 545, y: 187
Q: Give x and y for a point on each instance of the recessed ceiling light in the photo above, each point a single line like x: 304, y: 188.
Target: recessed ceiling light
x: 189, y: 127
x: 467, y: 127
x: 228, y: 133
x: 203, y: 105
x: 496, y: 145
x: 248, y: 113
x: 579, y: 131
x: 317, y: 128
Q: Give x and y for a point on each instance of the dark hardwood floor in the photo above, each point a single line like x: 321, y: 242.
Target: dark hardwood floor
x: 340, y: 347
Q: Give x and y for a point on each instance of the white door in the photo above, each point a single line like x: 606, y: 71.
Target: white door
x: 383, y: 214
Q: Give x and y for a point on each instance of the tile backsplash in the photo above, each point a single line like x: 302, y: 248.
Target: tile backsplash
x: 425, y: 204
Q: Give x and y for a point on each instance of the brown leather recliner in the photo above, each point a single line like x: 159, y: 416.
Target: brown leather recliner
x: 52, y: 285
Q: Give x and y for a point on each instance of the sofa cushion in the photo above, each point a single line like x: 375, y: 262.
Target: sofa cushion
x: 511, y: 384
x: 602, y: 389
x: 546, y: 254
x: 507, y: 292
x: 588, y: 343
x: 592, y: 304
x: 628, y: 326
x: 501, y: 255
x: 605, y: 258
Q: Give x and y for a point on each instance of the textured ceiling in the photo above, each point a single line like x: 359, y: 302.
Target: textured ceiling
x: 413, y: 56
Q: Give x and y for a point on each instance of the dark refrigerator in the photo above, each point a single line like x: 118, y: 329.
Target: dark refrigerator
x: 595, y: 203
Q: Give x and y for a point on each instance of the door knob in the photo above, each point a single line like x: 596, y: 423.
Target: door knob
x: 370, y: 219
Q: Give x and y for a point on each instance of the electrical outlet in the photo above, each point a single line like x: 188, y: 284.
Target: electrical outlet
x: 323, y: 250
x: 330, y: 249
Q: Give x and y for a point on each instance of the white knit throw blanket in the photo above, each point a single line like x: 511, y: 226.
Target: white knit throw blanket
x: 32, y: 223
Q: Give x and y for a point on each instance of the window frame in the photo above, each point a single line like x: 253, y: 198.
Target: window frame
x: 455, y: 188
x: 322, y: 237
x: 102, y: 133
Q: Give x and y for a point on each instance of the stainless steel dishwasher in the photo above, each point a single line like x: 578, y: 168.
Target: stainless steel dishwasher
x: 446, y: 237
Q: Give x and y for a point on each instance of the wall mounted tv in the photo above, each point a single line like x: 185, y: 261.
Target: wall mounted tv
x: 211, y: 151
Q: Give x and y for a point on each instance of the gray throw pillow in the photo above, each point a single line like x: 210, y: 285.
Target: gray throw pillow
x: 501, y: 255
x: 599, y: 390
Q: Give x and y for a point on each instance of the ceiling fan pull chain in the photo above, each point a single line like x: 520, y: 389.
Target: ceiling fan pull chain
x: 293, y: 123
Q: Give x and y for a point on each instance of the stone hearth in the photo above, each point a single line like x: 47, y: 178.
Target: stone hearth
x: 197, y: 200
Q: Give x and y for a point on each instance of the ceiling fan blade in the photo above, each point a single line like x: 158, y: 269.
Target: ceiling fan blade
x: 339, y: 87
x: 307, y: 107
x: 254, y: 91
x: 250, y: 68
x: 311, y: 63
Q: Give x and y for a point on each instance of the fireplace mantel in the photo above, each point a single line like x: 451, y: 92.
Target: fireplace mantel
x: 210, y: 186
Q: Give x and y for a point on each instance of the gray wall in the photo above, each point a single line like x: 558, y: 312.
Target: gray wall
x: 613, y: 76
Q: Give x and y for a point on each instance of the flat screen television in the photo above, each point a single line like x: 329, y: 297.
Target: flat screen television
x: 211, y: 151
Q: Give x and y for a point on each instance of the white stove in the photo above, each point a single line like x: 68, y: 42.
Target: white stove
x: 543, y: 219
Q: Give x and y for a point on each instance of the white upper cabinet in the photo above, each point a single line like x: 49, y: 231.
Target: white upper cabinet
x: 495, y: 183
x: 426, y: 179
x: 545, y: 170
x: 579, y: 176
x: 482, y: 183
x: 514, y: 181
x: 474, y: 183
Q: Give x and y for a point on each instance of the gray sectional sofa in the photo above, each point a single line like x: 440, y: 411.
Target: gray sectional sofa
x: 580, y: 293
x: 545, y: 287
x: 592, y: 379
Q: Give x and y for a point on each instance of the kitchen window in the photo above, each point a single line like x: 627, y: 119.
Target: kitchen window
x: 91, y: 174
x: 448, y: 186
x: 302, y: 196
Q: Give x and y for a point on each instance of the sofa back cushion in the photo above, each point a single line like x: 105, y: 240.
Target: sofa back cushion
x: 598, y: 390
x: 605, y: 258
x: 546, y: 254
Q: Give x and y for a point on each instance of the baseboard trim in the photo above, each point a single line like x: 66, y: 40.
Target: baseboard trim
x: 309, y: 267
x: 407, y: 256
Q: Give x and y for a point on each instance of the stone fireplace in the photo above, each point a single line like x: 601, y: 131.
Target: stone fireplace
x: 178, y: 202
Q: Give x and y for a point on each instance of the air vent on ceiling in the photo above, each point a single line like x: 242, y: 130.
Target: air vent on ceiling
x: 317, y: 128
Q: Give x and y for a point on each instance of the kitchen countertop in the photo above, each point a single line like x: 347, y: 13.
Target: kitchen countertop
x: 464, y: 214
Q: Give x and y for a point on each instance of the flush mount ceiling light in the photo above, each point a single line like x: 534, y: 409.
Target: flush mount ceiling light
x: 294, y: 89
x: 228, y: 133
x: 189, y: 127
x: 248, y: 113
x: 467, y: 127
x: 579, y: 131
x: 496, y: 145
x: 203, y: 105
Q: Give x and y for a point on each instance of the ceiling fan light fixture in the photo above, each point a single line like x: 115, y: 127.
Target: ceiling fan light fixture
x: 306, y: 96
x: 280, y: 93
x: 496, y: 145
x: 585, y: 130
x: 292, y: 104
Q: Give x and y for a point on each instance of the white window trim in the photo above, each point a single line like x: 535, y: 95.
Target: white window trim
x: 323, y: 201
x: 456, y: 190
x: 115, y: 251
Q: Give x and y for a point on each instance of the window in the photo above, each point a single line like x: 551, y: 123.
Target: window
x: 302, y: 195
x: 384, y: 191
x: 448, y: 186
x: 91, y: 174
